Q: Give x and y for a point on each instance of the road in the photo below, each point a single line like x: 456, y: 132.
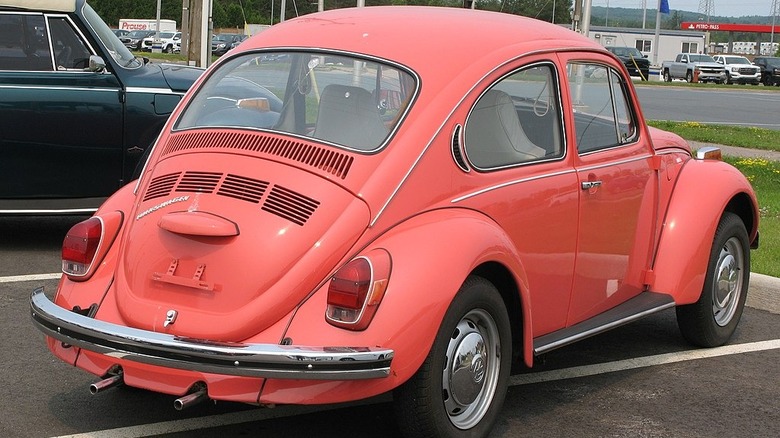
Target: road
x: 756, y: 106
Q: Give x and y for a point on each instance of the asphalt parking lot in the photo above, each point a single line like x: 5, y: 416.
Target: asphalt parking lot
x: 641, y: 380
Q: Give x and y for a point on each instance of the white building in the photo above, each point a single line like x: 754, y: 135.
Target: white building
x: 670, y: 42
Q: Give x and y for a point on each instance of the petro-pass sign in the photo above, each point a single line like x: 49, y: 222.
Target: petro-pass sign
x: 728, y: 27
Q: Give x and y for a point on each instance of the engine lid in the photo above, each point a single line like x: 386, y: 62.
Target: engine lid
x: 230, y: 253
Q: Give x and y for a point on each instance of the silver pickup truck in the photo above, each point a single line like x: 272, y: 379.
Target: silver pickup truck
x: 693, y: 68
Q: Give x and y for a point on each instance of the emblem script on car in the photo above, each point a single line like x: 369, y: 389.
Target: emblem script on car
x: 170, y: 317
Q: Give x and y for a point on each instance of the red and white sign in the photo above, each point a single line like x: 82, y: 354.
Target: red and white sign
x: 728, y: 27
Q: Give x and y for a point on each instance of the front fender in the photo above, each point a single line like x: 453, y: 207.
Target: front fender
x: 432, y: 254
x: 703, y: 191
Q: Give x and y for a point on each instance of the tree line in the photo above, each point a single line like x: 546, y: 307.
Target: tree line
x: 234, y: 13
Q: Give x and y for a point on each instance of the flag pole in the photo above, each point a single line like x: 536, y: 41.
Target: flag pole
x: 657, y: 33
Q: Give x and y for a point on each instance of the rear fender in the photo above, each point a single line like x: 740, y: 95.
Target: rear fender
x: 432, y: 254
x: 703, y: 191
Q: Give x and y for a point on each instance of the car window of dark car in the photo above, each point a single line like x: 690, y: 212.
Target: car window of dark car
x: 70, y: 52
x: 24, y: 43
x: 602, y: 114
x: 517, y: 120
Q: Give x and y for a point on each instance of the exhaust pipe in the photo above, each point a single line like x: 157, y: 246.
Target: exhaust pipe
x: 106, y: 383
x: 190, y: 399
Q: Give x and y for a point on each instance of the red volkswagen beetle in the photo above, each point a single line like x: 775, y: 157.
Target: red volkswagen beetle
x: 400, y: 199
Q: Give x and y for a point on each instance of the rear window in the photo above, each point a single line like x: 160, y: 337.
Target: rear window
x: 347, y: 101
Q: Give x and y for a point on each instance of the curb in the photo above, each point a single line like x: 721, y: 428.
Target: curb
x: 762, y: 293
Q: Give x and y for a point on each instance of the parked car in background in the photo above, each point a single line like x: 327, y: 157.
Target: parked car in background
x: 770, y: 69
x: 693, y: 68
x: 238, y: 41
x: 120, y: 32
x: 311, y: 232
x: 636, y: 63
x: 739, y: 70
x: 168, y: 42
x: 77, y: 109
x: 223, y: 42
x: 134, y: 40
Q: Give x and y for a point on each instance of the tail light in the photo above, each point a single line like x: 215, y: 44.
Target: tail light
x: 87, y: 242
x: 357, y: 289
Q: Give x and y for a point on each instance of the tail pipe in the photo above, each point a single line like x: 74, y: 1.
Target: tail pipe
x: 106, y: 383
x: 191, y: 399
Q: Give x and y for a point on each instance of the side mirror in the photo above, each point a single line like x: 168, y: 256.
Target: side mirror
x: 96, y: 64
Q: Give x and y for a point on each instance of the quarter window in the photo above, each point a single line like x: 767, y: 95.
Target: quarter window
x: 517, y: 120
x: 602, y: 115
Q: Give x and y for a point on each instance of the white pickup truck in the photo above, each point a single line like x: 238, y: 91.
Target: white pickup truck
x: 693, y: 67
x: 739, y: 70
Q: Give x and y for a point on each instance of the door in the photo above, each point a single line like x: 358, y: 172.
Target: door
x: 617, y: 192
x: 60, y: 124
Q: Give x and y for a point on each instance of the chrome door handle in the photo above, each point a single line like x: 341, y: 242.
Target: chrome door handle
x: 587, y: 185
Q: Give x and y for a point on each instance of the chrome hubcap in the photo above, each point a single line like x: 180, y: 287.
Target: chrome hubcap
x: 471, y: 372
x: 729, y: 277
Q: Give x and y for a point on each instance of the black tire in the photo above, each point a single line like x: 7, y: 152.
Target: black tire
x: 711, y: 321
x: 667, y: 76
x: 689, y: 76
x: 728, y: 78
x: 473, y: 351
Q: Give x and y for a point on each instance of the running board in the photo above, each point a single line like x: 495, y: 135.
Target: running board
x: 636, y: 308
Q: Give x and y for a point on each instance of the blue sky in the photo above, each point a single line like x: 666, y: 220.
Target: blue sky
x: 728, y: 8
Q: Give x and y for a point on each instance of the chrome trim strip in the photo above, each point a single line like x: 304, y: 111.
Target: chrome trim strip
x: 510, y: 183
x: 153, y: 90
x: 613, y: 163
x: 233, y: 359
x: 36, y: 87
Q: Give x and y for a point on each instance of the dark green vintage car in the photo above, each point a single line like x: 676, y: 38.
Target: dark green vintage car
x: 77, y: 109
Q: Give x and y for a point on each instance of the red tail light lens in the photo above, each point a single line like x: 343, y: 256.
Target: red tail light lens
x: 87, y: 243
x: 357, y: 289
x: 80, y: 246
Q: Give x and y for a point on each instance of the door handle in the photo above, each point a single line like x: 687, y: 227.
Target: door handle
x: 587, y: 185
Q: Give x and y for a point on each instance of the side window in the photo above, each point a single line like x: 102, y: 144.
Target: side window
x: 24, y: 43
x: 70, y: 52
x: 517, y: 120
x: 602, y: 115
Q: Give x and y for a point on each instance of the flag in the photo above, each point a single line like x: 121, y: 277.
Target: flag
x: 663, y: 7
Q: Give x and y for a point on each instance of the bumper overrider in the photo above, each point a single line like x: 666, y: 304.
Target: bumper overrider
x: 233, y: 359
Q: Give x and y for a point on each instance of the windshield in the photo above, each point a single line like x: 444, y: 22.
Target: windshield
x: 115, y: 48
x: 627, y: 51
x: 346, y: 101
x: 736, y: 60
x: 701, y: 58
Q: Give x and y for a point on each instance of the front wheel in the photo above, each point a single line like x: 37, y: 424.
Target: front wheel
x: 711, y: 321
x: 459, y: 389
x: 689, y: 76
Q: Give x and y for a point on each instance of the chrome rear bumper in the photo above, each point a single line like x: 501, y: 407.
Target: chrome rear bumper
x: 234, y: 359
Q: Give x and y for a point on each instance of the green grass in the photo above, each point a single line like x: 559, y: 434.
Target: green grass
x: 764, y: 175
x: 747, y: 137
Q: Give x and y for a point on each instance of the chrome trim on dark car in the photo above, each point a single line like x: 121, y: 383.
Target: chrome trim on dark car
x: 234, y: 359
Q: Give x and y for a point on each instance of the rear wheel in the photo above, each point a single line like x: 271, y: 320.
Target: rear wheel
x: 459, y: 389
x: 667, y: 76
x: 711, y: 321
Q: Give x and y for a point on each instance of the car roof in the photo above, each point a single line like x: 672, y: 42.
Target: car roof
x: 417, y: 35
x: 41, y: 5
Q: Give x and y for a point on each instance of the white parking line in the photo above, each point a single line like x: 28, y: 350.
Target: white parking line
x: 32, y: 277
x: 523, y: 379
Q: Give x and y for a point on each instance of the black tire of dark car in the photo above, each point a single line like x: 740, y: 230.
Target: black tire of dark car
x: 459, y: 389
x: 711, y: 321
